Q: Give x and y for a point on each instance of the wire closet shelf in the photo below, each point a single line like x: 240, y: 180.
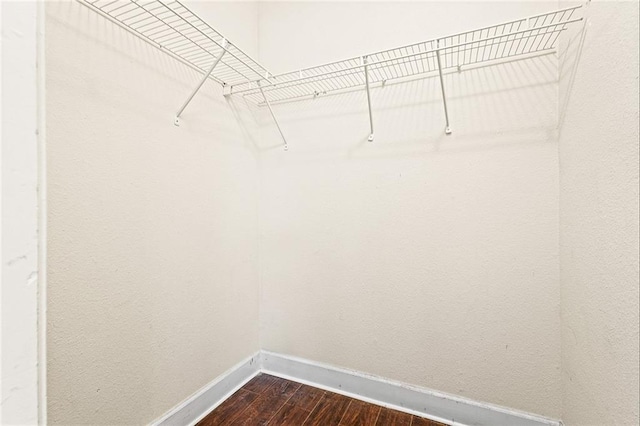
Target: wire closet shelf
x: 173, y: 28
x: 533, y: 35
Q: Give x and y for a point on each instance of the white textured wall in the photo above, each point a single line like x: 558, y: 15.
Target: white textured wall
x: 599, y: 219
x: 18, y: 215
x: 152, y: 228
x: 428, y: 259
x: 419, y: 257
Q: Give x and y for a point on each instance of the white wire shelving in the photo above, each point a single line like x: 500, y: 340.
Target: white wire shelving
x: 172, y: 27
x: 528, y: 36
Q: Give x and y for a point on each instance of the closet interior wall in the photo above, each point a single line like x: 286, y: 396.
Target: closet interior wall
x: 420, y: 257
x: 153, y: 276
x: 598, y: 143
x: 498, y: 263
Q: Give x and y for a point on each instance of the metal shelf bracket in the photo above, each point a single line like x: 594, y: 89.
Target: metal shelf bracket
x: 447, y: 128
x: 176, y: 120
x: 266, y: 101
x: 365, y: 61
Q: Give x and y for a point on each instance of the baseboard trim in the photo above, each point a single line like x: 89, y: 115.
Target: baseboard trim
x: 198, y: 405
x: 439, y: 406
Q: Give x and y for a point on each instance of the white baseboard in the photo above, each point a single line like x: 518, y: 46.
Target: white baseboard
x: 439, y: 406
x: 198, y: 405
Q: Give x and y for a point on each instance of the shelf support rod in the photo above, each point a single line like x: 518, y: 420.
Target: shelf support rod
x: 266, y: 101
x: 365, y: 61
x: 447, y: 129
x: 176, y: 120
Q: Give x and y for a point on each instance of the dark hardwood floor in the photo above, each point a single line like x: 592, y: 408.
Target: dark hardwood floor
x: 275, y: 401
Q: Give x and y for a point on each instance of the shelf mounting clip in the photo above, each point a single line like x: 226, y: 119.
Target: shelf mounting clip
x: 365, y: 62
x: 176, y: 120
x: 447, y: 128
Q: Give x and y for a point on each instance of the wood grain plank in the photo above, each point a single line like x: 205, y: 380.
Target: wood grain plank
x: 230, y: 409
x: 271, y: 400
x: 306, y: 397
x: 360, y: 413
x: 282, y: 387
x: 389, y: 417
x: 329, y: 410
x: 289, y: 415
x: 260, y: 383
x: 421, y: 421
x: 267, y: 404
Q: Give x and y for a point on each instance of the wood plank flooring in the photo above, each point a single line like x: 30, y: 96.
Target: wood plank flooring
x: 269, y: 400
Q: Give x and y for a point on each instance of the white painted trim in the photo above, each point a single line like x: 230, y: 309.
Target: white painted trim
x: 42, y: 214
x: 439, y: 406
x: 194, y: 408
x: 446, y: 408
x: 18, y: 214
